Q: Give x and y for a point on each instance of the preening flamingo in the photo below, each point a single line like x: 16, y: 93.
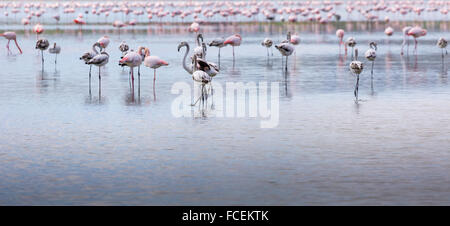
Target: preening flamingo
x: 123, y: 47
x: 356, y: 67
x: 99, y: 61
x: 200, y: 76
x: 9, y: 35
x: 351, y: 42
x: 38, y: 29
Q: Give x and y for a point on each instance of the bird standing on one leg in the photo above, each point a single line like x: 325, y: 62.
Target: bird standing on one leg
x: 356, y: 67
x: 42, y: 44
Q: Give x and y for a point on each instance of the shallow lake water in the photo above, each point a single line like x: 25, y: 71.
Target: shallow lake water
x: 62, y: 145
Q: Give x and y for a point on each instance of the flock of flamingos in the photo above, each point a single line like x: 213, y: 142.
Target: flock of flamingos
x: 196, y: 63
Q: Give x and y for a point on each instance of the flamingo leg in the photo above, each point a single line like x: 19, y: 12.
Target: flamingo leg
x: 99, y: 85
x: 415, y: 45
x: 371, y: 71
x: 7, y: 47
x: 356, y: 88
x: 154, y: 81
x: 42, y: 56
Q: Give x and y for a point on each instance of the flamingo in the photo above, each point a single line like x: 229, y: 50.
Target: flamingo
x: 219, y: 43
x: 200, y: 50
x: 442, y: 43
x: 123, y: 47
x: 42, y: 44
x: 86, y: 57
x: 356, y: 67
x: 153, y: 62
x: 340, y: 34
x: 371, y: 54
x: 10, y: 35
x: 267, y: 43
x: 194, y: 27
x: 38, y: 29
x: 131, y: 59
x: 286, y: 48
x: 118, y: 24
x: 351, y: 42
x: 56, y: 49
x: 234, y: 40
x: 405, y: 37
x: 213, y: 68
x: 202, y: 77
x: 417, y: 32
x: 104, y: 41
x: 99, y: 60
x: 389, y: 31
x: 79, y: 20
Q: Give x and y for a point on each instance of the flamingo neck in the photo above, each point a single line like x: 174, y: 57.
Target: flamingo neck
x: 185, y: 66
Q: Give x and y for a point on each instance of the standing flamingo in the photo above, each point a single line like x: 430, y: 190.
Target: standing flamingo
x: 202, y: 77
x: 104, y: 41
x: 234, y: 40
x: 42, y: 44
x: 99, y: 60
x: 286, y: 48
x: 340, y: 34
x: 87, y: 56
x: 267, y: 43
x: 131, y: 59
x: 9, y: 35
x: 356, y: 67
x: 219, y: 43
x: 417, y: 32
x: 405, y: 38
x: 123, y: 47
x: 55, y: 50
x: 38, y: 29
x: 370, y: 55
x: 442, y: 43
x: 153, y: 62
x: 351, y: 42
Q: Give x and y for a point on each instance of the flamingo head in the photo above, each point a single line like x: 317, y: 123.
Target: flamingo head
x: 181, y: 45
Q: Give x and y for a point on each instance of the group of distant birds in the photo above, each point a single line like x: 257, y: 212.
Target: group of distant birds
x: 203, y: 71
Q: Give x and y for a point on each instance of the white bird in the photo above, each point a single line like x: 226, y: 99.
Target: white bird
x: 56, y: 49
x: 267, y: 43
x: 356, y: 67
x: 200, y: 50
x: 371, y: 54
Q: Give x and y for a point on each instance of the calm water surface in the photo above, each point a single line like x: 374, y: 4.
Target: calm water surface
x: 59, y: 145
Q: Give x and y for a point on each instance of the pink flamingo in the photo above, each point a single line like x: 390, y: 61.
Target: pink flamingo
x: 9, y: 35
x: 153, y: 62
x: 405, y: 38
x: 417, y: 32
x: 132, y: 59
x: 340, y: 34
x: 118, y: 24
x: 104, y: 41
x: 234, y: 40
x: 38, y: 29
x: 79, y: 20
